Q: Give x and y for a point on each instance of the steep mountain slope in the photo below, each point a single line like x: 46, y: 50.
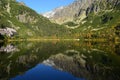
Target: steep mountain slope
x: 81, y: 9
x: 102, y: 20
x: 16, y: 17
x: 65, y: 13
x: 90, y: 18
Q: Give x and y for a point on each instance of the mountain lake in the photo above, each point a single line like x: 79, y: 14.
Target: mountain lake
x: 59, y: 60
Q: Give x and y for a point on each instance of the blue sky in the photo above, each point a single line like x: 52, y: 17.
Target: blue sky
x: 42, y: 6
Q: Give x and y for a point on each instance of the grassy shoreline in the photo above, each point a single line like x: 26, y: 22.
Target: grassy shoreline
x: 10, y: 40
x: 57, y: 39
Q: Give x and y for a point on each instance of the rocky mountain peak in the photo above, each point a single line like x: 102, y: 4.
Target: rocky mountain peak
x: 80, y: 8
x: 50, y: 14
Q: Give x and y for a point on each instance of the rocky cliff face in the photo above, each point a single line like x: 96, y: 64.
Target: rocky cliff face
x: 81, y: 9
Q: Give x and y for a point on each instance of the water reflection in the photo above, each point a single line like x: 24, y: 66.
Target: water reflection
x: 65, y: 60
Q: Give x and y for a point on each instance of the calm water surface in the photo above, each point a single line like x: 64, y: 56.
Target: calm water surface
x: 59, y: 61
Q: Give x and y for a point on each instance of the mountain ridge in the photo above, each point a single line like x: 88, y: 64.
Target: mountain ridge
x: 81, y: 8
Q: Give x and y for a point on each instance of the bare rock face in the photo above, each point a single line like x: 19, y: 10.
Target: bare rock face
x: 80, y: 8
x: 26, y: 19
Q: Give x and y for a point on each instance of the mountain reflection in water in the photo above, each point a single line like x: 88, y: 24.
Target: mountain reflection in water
x: 60, y: 61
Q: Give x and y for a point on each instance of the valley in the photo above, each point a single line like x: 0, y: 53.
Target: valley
x: 77, y: 21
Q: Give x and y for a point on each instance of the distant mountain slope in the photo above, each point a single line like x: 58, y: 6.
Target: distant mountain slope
x: 65, y: 13
x: 51, y: 14
x: 26, y: 22
x: 81, y: 9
